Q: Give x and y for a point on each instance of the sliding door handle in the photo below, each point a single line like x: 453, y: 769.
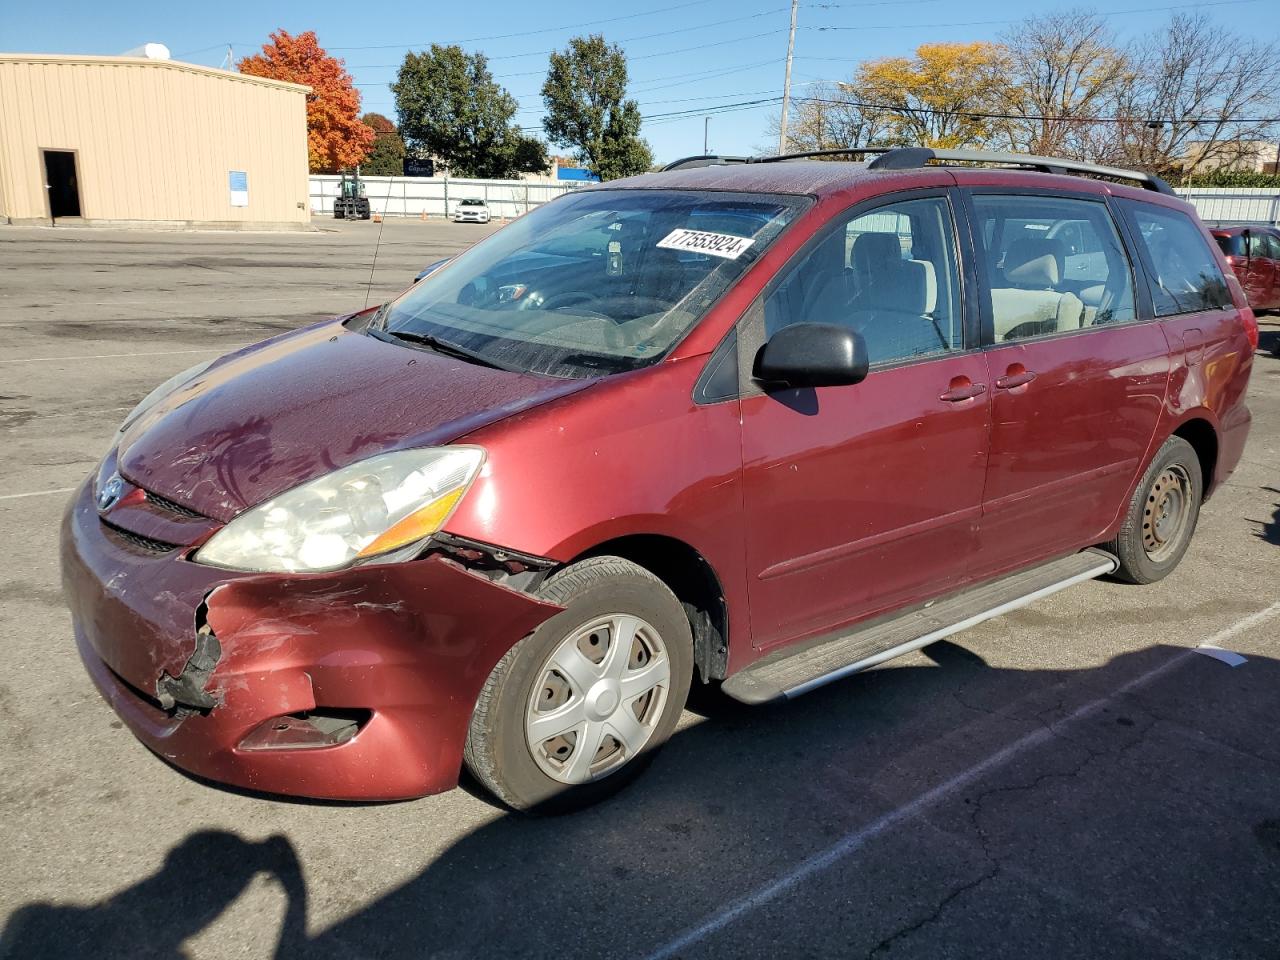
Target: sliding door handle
x: 964, y: 391
x: 1015, y: 378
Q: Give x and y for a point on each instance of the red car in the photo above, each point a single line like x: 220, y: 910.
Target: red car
x: 1254, y: 255
x: 764, y: 424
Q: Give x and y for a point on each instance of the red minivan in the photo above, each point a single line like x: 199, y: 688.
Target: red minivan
x: 1253, y: 252
x: 759, y: 423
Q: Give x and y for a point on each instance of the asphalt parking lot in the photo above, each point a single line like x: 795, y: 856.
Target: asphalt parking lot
x: 1071, y: 780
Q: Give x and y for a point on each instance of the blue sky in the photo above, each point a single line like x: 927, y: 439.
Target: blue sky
x: 685, y: 55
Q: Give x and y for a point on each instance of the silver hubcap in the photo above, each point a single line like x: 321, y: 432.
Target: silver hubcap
x: 1166, y: 513
x: 598, y: 698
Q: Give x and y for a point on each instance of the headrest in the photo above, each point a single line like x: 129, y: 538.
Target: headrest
x: 874, y: 252
x: 1034, y: 264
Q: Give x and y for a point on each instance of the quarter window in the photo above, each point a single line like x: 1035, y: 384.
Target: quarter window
x: 1184, y: 273
x: 890, y: 275
x: 1053, y: 265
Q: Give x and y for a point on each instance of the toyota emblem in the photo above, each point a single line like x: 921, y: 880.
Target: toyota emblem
x: 110, y: 493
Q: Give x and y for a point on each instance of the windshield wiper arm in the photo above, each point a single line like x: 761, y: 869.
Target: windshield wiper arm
x: 439, y: 346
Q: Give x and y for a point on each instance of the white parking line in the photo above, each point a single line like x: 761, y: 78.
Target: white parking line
x: 113, y: 356
x: 852, y: 842
x: 35, y: 493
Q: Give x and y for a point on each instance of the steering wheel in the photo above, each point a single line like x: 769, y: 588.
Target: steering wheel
x: 572, y: 298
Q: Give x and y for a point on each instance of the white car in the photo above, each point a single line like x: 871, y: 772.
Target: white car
x: 471, y: 211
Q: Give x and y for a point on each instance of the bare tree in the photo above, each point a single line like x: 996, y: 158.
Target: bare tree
x: 1063, y: 69
x: 1195, y: 95
x: 829, y: 116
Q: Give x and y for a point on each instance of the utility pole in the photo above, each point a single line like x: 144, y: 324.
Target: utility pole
x: 706, y: 128
x: 786, y: 83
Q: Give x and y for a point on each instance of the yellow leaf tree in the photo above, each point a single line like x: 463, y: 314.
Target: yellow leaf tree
x: 937, y: 97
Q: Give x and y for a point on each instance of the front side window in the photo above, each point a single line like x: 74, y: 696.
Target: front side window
x: 1053, y: 265
x: 1184, y: 273
x: 600, y: 281
x: 890, y: 275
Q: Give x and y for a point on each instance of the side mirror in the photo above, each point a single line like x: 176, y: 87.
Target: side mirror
x: 431, y: 268
x: 812, y: 355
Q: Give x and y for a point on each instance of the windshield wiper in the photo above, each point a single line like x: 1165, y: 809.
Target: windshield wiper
x: 599, y: 361
x: 439, y: 346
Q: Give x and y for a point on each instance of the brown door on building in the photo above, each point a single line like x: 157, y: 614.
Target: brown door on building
x: 61, y: 181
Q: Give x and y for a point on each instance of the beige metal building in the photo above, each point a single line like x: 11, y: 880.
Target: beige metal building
x: 127, y: 140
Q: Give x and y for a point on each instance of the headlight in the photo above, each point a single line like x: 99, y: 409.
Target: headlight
x: 363, y: 510
x: 158, y: 394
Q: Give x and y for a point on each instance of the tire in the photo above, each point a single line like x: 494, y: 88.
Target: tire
x: 1161, y: 516
x: 604, y: 598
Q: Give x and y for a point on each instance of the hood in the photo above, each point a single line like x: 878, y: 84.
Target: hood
x: 283, y: 412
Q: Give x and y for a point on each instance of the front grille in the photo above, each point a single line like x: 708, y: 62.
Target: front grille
x: 137, y: 541
x: 164, y: 503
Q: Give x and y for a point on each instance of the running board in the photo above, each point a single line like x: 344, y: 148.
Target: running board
x: 790, y: 673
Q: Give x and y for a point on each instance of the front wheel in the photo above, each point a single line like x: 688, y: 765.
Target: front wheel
x: 576, y: 710
x: 1161, y: 516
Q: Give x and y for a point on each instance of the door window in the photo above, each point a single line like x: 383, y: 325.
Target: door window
x: 1270, y: 247
x: 1053, y: 265
x: 890, y: 275
x: 1233, y: 245
x: 1184, y: 273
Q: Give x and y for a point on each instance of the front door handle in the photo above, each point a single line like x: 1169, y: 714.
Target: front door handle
x: 962, y: 388
x: 1016, y: 376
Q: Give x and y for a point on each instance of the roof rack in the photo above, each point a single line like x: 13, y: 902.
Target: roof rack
x: 714, y: 160
x: 705, y: 160
x: 912, y: 158
x: 908, y: 158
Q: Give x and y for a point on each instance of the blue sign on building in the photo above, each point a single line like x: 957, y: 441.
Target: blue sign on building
x: 576, y: 173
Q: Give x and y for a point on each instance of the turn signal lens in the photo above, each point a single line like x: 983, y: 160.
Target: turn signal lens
x: 417, y: 526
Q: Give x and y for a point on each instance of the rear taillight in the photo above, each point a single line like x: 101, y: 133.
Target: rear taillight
x: 1250, y: 327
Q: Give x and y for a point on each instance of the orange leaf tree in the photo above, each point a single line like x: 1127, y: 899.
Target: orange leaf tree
x: 938, y: 97
x: 336, y: 139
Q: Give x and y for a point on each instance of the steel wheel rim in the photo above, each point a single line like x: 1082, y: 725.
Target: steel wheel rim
x: 586, y: 717
x: 1166, y: 513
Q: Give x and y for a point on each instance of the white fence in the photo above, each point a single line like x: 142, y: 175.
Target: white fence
x: 1233, y: 204
x: 438, y: 196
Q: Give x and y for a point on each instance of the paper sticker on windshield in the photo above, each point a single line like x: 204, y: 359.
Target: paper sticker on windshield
x: 724, y: 245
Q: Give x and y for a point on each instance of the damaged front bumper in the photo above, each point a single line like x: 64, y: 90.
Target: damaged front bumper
x: 354, y: 685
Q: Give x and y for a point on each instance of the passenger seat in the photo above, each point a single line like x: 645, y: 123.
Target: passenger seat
x: 1030, y: 305
x: 895, y: 300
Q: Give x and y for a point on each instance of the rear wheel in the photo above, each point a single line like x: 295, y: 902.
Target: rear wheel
x: 576, y: 710
x: 1161, y: 516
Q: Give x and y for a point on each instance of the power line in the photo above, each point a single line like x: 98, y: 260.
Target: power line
x: 649, y: 36
x: 530, y: 33
x: 980, y: 115
x: 983, y: 23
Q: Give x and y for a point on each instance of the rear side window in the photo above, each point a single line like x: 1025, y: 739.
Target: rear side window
x: 1184, y: 273
x: 1232, y: 246
x: 1053, y: 265
x: 1270, y: 247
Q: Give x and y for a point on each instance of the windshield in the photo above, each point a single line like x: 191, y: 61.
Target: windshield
x: 599, y: 281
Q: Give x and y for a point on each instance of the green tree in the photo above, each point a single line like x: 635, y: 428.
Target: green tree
x: 450, y: 108
x: 386, y: 155
x: 587, y: 110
